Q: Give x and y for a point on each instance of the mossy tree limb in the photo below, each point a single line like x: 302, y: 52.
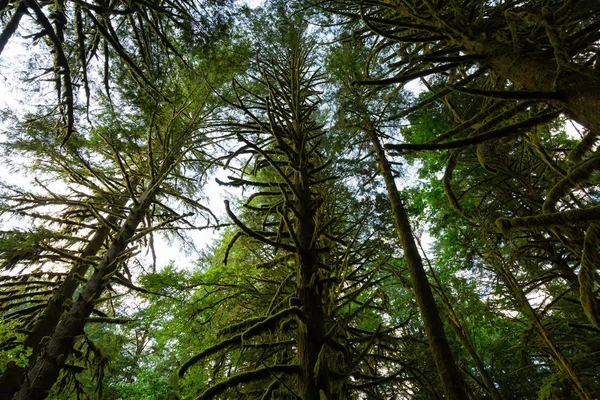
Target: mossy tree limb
x: 588, y: 274
x: 577, y: 217
x: 244, y: 377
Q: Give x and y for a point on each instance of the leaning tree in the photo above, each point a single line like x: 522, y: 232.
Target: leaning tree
x: 131, y: 176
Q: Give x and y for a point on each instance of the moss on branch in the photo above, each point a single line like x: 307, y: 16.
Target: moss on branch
x: 578, y: 175
x: 244, y: 377
x: 266, y: 324
x: 507, y: 131
x: 550, y: 220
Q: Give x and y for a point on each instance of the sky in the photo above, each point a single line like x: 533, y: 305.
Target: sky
x: 253, y: 3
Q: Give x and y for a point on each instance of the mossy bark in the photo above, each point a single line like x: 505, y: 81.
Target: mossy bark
x: 45, y: 371
x: 13, y: 375
x: 454, y: 386
x: 313, y: 379
x: 460, y: 333
x: 578, y: 92
x: 11, y: 378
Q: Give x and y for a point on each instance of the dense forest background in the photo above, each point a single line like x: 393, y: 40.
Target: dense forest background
x: 407, y: 215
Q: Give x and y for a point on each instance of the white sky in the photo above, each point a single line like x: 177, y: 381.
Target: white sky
x: 253, y: 3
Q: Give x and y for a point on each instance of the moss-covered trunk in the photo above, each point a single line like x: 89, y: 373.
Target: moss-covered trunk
x: 578, y: 93
x: 313, y: 379
x: 44, y: 373
x: 451, y: 378
x: 313, y: 376
x: 13, y: 376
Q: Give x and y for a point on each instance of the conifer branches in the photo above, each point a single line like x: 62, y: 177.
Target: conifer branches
x: 119, y: 185
x: 495, y: 134
x: 539, y: 185
x: 250, y: 376
x: 88, y: 31
x: 310, y: 262
x: 280, y: 137
x: 264, y: 324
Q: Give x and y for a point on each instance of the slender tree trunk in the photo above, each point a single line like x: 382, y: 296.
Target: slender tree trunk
x: 456, y: 326
x: 464, y: 341
x: 451, y: 378
x: 528, y: 311
x: 44, y: 373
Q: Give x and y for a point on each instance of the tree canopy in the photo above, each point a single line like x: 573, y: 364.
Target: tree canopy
x: 410, y: 200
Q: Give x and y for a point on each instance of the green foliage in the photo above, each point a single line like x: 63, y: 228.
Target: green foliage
x: 508, y: 220
x: 148, y: 385
x: 11, y: 350
x: 16, y: 246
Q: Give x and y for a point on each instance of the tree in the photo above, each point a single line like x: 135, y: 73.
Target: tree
x: 139, y: 184
x: 309, y: 303
x: 355, y: 108
x: 308, y: 294
x: 546, y: 50
x: 472, y: 63
x: 284, y: 148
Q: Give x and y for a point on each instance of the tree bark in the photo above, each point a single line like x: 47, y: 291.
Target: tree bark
x: 454, y: 386
x: 460, y: 333
x: 44, y: 373
x: 578, y: 92
x: 11, y: 379
x: 313, y: 382
x: 313, y: 377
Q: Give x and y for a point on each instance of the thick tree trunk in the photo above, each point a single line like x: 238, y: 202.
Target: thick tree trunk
x: 11, y: 379
x: 313, y: 377
x: 314, y: 374
x: 451, y: 378
x: 578, y: 92
x: 44, y: 373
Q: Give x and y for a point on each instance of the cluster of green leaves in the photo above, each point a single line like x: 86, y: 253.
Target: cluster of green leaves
x: 12, y: 352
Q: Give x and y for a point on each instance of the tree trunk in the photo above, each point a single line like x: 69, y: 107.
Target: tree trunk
x: 578, y: 92
x: 464, y: 341
x: 314, y: 374
x: 456, y: 326
x: 313, y: 377
x: 44, y: 373
x: 451, y: 378
x: 11, y: 379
